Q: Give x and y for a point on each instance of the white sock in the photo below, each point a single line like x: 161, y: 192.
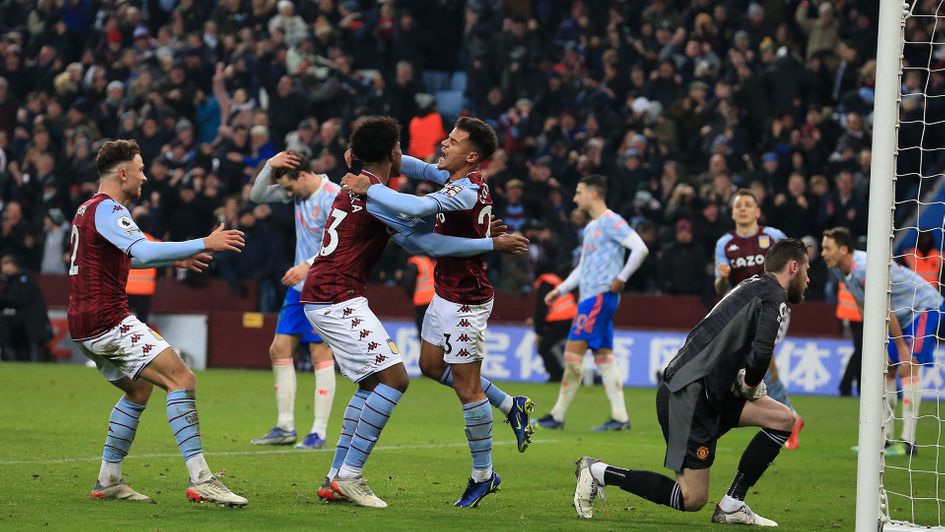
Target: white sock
x: 891, y: 400
x: 284, y: 372
x: 481, y: 475
x: 570, y: 382
x: 109, y: 474
x: 506, y: 405
x: 347, y: 472
x: 597, y: 471
x: 198, y: 469
x: 332, y: 473
x: 730, y: 504
x: 324, y: 395
x: 613, y: 386
x: 911, y: 401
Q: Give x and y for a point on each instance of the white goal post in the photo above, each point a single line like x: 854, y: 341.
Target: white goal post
x: 874, y: 509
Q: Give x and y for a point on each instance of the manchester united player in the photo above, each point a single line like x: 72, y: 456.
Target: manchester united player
x: 599, y: 277
x: 106, y: 243
x: 312, y: 194
x: 454, y: 325
x: 740, y: 254
x: 355, y: 235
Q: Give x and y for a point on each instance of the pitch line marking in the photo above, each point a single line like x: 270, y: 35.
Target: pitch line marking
x: 299, y: 452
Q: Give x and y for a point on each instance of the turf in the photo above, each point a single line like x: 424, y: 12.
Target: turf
x: 55, y: 418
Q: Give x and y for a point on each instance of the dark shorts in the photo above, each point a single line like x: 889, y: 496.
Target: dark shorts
x: 709, y: 423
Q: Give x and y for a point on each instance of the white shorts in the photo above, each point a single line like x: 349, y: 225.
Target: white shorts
x: 358, y: 339
x: 459, y: 329
x: 125, y: 350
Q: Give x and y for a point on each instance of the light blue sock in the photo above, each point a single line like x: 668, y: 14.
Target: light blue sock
x: 497, y: 397
x: 182, y: 415
x: 348, y: 424
x: 377, y: 410
x: 479, y: 433
x: 122, y: 425
x: 777, y: 391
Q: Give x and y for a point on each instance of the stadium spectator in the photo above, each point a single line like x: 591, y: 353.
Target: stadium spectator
x: 24, y: 323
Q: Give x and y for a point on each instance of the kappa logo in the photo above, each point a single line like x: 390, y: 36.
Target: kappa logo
x: 147, y: 348
x: 365, y: 333
x: 462, y: 353
x: 464, y: 323
x: 346, y: 312
x: 733, y: 247
x: 379, y: 358
x: 463, y: 338
x: 372, y: 346
x: 122, y: 329
x: 464, y: 308
x: 191, y: 417
x: 116, y: 208
x: 81, y: 211
x: 355, y: 322
x: 452, y: 189
x: 135, y: 338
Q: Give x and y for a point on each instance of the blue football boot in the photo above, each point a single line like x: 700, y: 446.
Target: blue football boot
x: 612, y: 424
x: 476, y: 491
x: 276, y: 436
x: 312, y: 441
x: 518, y: 418
x: 548, y: 422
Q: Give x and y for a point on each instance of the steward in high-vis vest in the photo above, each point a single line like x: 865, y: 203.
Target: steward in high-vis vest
x: 847, y: 311
x: 140, y: 288
x: 418, y: 283
x: 552, y: 324
x: 925, y: 260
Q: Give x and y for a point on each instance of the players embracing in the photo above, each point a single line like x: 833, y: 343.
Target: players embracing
x: 453, y: 332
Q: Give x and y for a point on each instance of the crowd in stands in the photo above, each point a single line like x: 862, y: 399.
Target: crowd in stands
x: 678, y: 102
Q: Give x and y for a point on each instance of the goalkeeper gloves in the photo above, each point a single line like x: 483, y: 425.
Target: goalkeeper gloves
x: 748, y: 392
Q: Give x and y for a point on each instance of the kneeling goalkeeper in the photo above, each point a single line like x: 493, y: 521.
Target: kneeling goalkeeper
x: 712, y: 385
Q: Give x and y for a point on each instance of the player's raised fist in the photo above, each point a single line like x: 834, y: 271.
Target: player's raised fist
x: 496, y: 226
x: 224, y: 240
x: 284, y: 159
x: 511, y: 244
x: 356, y: 183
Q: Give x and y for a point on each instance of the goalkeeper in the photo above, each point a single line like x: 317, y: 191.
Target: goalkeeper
x: 712, y: 385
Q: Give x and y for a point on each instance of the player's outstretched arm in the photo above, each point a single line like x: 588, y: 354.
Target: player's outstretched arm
x: 570, y: 283
x: 413, y: 168
x: 437, y: 245
x: 224, y: 240
x: 262, y: 191
x: 147, y: 254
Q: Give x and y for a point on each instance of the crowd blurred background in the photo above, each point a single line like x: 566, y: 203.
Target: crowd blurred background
x: 678, y: 102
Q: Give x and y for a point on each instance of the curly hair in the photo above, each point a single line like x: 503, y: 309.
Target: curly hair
x: 374, y: 138
x: 115, y: 152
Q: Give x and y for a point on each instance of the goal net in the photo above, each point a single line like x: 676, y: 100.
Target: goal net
x: 907, y: 209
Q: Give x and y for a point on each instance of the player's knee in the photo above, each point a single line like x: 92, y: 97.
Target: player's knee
x: 784, y: 419
x: 693, y: 502
x: 277, y: 352
x: 140, y: 394
x: 320, y: 353
x: 184, y: 380
x: 432, y: 368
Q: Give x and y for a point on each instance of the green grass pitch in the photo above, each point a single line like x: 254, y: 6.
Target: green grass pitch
x: 55, y: 418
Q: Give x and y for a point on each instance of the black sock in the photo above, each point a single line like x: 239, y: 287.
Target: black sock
x: 761, y: 451
x: 653, y: 487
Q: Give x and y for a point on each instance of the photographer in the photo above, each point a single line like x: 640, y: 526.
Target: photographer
x: 24, y: 322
